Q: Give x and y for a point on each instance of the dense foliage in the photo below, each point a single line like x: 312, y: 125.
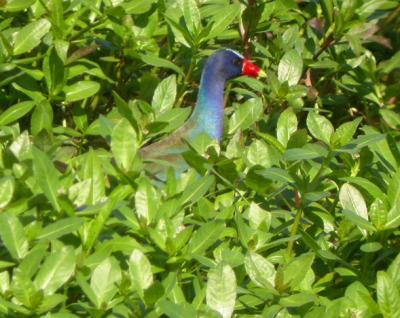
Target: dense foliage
x: 296, y: 214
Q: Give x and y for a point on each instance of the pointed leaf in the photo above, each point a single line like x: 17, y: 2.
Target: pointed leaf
x: 205, y: 236
x: 261, y: 272
x: 30, y: 35
x: 287, y: 125
x: 104, y: 279
x: 222, y: 19
x: 124, y: 144
x: 92, y: 171
x: 56, y: 270
x: 191, y: 14
x: 146, y: 201
x: 320, y: 127
x: 15, y: 112
x: 164, y: 95
x: 81, y: 90
x: 160, y: 62
x: 13, y: 236
x: 245, y: 115
x: 60, y: 228
x: 352, y: 200
x: 290, y: 68
x: 7, y: 186
x: 46, y: 176
x: 221, y: 290
x: 42, y: 117
x: 345, y: 132
x: 140, y: 271
x: 388, y: 296
x: 196, y: 190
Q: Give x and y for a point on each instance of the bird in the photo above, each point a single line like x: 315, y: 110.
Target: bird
x: 208, y: 114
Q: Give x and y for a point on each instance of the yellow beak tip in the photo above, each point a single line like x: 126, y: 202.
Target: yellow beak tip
x: 261, y: 74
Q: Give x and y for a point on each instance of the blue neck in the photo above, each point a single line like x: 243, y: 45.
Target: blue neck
x: 209, y: 109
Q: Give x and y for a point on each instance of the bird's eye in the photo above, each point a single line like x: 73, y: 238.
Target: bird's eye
x: 237, y: 62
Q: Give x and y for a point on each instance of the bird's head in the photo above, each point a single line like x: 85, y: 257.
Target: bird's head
x: 228, y: 64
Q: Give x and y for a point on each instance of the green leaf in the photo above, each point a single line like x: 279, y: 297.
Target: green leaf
x: 320, y: 127
x: 196, y: 190
x: 391, y: 118
x: 60, y: 228
x: 7, y: 187
x: 160, y: 62
x: 287, y: 125
x: 25, y: 291
x: 46, y: 176
x: 394, y: 270
x: 290, y: 68
x: 294, y: 272
x: 222, y: 19
x: 352, y: 200
x: 53, y: 69
x: 13, y: 236
x: 301, y: 154
x: 327, y: 9
x: 146, y: 201
x: 30, y: 35
x: 259, y: 218
x: 56, y: 270
x: 51, y: 301
x: 245, y: 115
x: 164, y: 95
x: 371, y: 6
x: 390, y: 64
x: 35, y: 95
x: 192, y: 15
x: 104, y: 279
x: 371, y: 247
x: 271, y: 141
x: 276, y: 174
x: 262, y: 154
x: 81, y: 90
x: 388, y: 296
x: 365, y: 140
x: 124, y: 144
x: 33, y: 260
x: 173, y: 310
x: 205, y: 236
x: 367, y: 185
x: 4, y: 282
x: 15, y: 112
x: 140, y: 271
x: 17, y: 5
x: 180, y: 32
x: 261, y: 272
x: 221, y: 290
x: 344, y: 133
x: 361, y: 299
x: 42, y: 118
x: 378, y: 213
x: 137, y: 6
x: 93, y: 173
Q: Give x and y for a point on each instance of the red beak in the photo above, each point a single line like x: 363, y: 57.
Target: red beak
x: 251, y: 70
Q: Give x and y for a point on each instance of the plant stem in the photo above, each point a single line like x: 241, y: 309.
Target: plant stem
x: 296, y: 223
x: 186, y: 80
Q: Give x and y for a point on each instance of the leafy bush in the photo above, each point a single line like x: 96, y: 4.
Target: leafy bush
x: 297, y: 213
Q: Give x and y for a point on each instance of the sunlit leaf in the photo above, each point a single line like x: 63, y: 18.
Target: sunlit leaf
x: 221, y: 289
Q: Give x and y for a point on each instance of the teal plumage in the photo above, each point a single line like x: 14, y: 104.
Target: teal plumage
x: 208, y: 114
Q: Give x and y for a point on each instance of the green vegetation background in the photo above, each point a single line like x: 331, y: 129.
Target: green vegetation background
x: 296, y: 214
